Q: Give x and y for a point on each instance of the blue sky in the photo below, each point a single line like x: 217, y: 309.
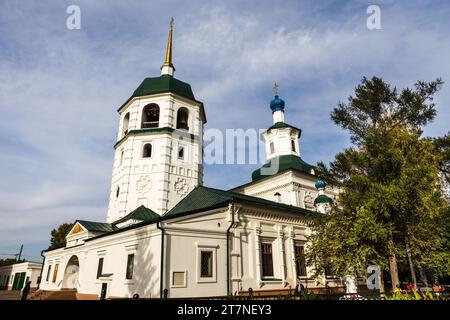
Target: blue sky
x: 60, y: 88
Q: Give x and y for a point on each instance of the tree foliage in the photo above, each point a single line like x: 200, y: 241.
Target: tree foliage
x: 58, y: 236
x: 9, y: 261
x: 391, y: 189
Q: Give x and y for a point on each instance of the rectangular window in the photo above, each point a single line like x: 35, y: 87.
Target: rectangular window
x: 267, y: 259
x: 48, y: 272
x: 100, y: 268
x: 130, y: 265
x: 178, y: 279
x: 206, y: 264
x: 300, y: 261
x: 55, y: 273
x: 293, y: 145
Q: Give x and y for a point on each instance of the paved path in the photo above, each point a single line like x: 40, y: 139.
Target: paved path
x: 10, y: 295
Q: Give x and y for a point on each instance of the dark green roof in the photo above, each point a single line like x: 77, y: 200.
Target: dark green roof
x: 286, y: 162
x: 281, y: 125
x: 204, y: 198
x: 96, y: 226
x: 141, y: 214
x: 163, y: 84
x: 323, y: 199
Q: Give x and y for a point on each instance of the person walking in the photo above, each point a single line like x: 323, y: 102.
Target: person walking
x: 26, y: 290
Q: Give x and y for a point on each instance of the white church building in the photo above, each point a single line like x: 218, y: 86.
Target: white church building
x: 166, y: 233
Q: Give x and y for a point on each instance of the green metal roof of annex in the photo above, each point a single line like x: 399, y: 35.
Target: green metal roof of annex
x: 141, y: 213
x: 96, y: 226
x: 285, y: 162
x: 204, y: 198
x: 200, y: 199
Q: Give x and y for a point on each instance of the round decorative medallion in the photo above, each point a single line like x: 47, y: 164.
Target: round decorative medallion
x: 181, y: 187
x: 143, y: 185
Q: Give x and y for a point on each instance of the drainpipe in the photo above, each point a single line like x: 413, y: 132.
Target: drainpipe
x: 42, y: 268
x: 228, y: 249
x: 161, y: 276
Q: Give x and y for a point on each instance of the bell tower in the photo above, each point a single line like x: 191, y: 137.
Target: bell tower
x: 159, y: 149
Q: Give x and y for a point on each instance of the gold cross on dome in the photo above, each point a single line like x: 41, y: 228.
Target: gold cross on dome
x: 275, y: 89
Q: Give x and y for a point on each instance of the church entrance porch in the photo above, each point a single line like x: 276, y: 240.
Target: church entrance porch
x: 70, y: 280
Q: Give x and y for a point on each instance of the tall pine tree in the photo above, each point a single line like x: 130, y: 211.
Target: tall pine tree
x: 391, y: 201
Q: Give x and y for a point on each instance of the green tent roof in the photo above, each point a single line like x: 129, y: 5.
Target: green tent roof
x: 322, y: 199
x: 96, y: 226
x: 163, y: 84
x: 286, y: 162
x: 141, y: 214
x: 204, y: 198
x: 281, y: 125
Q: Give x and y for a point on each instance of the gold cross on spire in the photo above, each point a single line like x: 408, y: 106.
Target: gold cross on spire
x: 275, y: 88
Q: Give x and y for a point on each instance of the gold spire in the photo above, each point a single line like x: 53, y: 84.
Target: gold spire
x: 168, y: 61
x: 275, y: 89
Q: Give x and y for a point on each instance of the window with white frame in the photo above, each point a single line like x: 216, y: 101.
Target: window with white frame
x: 130, y: 267
x: 147, y: 150
x: 181, y: 153
x: 126, y: 121
x: 267, y: 259
x: 300, y: 260
x: 206, y: 263
x: 48, y: 272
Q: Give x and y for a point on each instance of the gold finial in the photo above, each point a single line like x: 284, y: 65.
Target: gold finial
x: 275, y: 89
x: 168, y: 61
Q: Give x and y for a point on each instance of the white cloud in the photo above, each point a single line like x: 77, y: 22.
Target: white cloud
x: 59, y: 89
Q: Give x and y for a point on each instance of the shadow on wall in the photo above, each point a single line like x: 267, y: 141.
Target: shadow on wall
x: 145, y: 275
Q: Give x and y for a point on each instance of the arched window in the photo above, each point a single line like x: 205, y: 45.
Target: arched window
x: 150, y: 116
x: 182, y: 119
x: 293, y: 145
x: 278, y: 196
x: 272, y: 148
x: 147, y: 151
x: 181, y: 153
x: 121, y: 157
x: 126, y: 121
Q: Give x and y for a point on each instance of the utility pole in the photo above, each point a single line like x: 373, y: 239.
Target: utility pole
x: 20, y: 253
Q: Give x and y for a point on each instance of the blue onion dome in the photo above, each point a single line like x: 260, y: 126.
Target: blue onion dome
x: 277, y: 104
x: 320, y: 184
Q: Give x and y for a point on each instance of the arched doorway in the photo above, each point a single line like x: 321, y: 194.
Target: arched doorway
x: 70, y: 280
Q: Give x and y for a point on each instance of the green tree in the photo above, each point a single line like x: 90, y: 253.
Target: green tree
x: 9, y: 261
x: 58, y: 236
x: 391, y: 195
x: 442, y: 145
